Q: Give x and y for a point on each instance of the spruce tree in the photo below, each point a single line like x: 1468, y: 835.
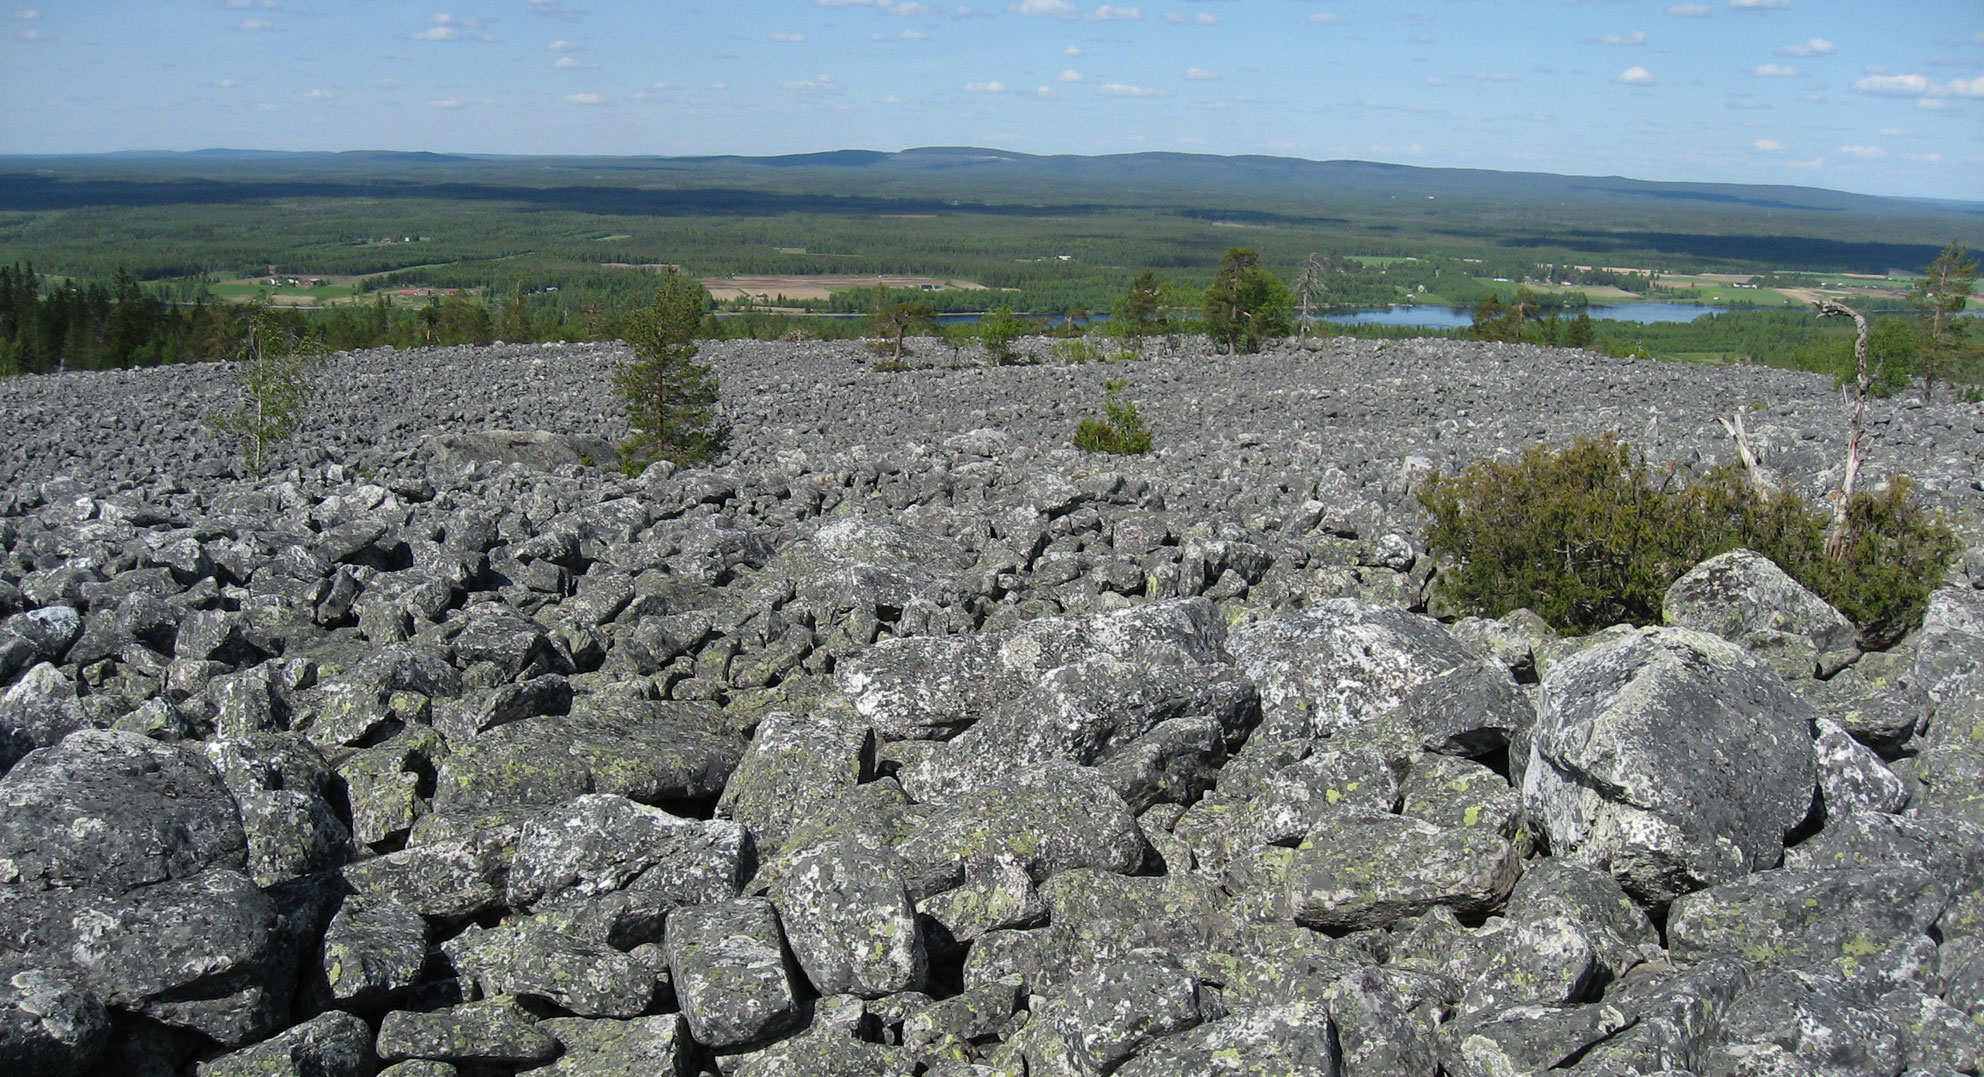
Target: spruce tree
x: 671, y: 399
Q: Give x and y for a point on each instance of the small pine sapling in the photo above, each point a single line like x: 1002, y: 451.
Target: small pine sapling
x: 276, y: 370
x: 1120, y: 430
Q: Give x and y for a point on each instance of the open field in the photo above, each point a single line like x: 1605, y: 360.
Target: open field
x: 800, y: 287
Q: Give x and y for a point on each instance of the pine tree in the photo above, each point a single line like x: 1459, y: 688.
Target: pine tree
x: 1139, y: 313
x: 671, y: 399
x: 1944, y: 292
x: 1246, y: 304
x: 276, y: 370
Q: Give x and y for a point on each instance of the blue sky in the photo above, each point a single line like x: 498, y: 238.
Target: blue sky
x: 1884, y: 98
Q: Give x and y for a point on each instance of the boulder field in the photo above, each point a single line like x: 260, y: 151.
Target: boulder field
x: 908, y: 740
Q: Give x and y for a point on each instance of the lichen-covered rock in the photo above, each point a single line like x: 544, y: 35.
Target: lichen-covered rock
x: 1621, y: 936
x: 448, y: 879
x: 50, y: 1023
x: 196, y: 953
x: 1745, y: 598
x: 533, y: 958
x: 1785, y: 1022
x: 1851, y: 777
x: 1058, y: 817
x: 1526, y: 1039
x: 934, y: 688
x: 1671, y: 758
x: 655, y: 1046
x: 493, y: 1030
x: 1866, y: 930
x: 732, y: 978
x: 850, y: 922
x: 796, y: 765
x: 1375, y: 1030
x: 283, y: 787
x: 111, y: 810
x: 599, y: 843
x: 1339, y: 664
x: 371, y: 956
x: 1105, y: 1014
x: 1360, y: 869
x: 650, y: 752
x: 334, y: 1044
x: 1085, y: 712
x: 832, y: 1047
x: 42, y: 707
x: 1289, y: 1039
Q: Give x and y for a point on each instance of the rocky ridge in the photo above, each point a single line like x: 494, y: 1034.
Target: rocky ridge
x: 912, y: 741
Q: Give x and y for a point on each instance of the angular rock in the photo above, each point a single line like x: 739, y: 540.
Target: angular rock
x: 1670, y: 757
x: 448, y: 879
x: 1851, y: 777
x: 655, y: 1046
x: 1745, y: 598
x: 533, y: 958
x: 42, y: 706
x: 1104, y: 1015
x: 1526, y: 1039
x: 850, y: 923
x: 600, y: 843
x: 113, y: 810
x: 333, y: 1044
x: 731, y: 974
x: 796, y: 765
x: 933, y: 688
x: 650, y: 752
x: 50, y: 1023
x: 1785, y: 1022
x: 493, y: 1030
x: 1058, y: 817
x: 1290, y: 1039
x: 371, y: 956
x: 1866, y: 930
x: 1339, y: 664
x: 1361, y: 869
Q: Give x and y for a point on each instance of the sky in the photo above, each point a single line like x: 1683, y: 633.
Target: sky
x: 1875, y: 97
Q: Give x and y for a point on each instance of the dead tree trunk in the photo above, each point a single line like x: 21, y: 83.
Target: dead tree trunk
x: 1838, y: 538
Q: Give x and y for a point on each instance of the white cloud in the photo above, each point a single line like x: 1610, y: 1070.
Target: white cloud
x: 1931, y: 104
x: 1758, y: 5
x: 1636, y: 76
x: 1817, y: 46
x: 906, y: 8
x: 1072, y: 50
x: 985, y: 87
x: 1112, y: 13
x: 1774, y: 71
x: 438, y: 33
x: 27, y: 13
x: 790, y: 39
x: 1637, y: 37
x: 1046, y: 91
x: 915, y: 35
x: 561, y: 46
x: 1048, y: 9
x: 1689, y: 11
x: 445, y: 102
x: 1811, y: 162
x: 584, y: 98
x: 1326, y: 17
x: 1929, y: 158
x: 552, y: 8
x: 1768, y: 145
x: 1863, y: 151
x: 1071, y: 75
x: 1893, y: 85
x: 845, y: 3
x: 225, y: 84
x: 568, y: 63
x: 319, y: 95
x: 1124, y: 89
x: 256, y: 26
x: 1203, y: 18
x: 1977, y: 38
x: 816, y: 84
x: 1964, y: 87
x: 1492, y: 76
x: 1200, y: 74
x: 31, y: 34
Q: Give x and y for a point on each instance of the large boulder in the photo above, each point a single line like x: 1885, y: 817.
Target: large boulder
x: 1745, y: 598
x: 650, y: 752
x: 1340, y: 664
x: 1671, y: 758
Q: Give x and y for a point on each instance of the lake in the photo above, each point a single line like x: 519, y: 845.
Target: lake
x: 1462, y: 317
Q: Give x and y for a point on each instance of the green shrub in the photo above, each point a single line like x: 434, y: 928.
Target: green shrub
x: 1076, y: 350
x: 1588, y: 536
x: 1121, y: 430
